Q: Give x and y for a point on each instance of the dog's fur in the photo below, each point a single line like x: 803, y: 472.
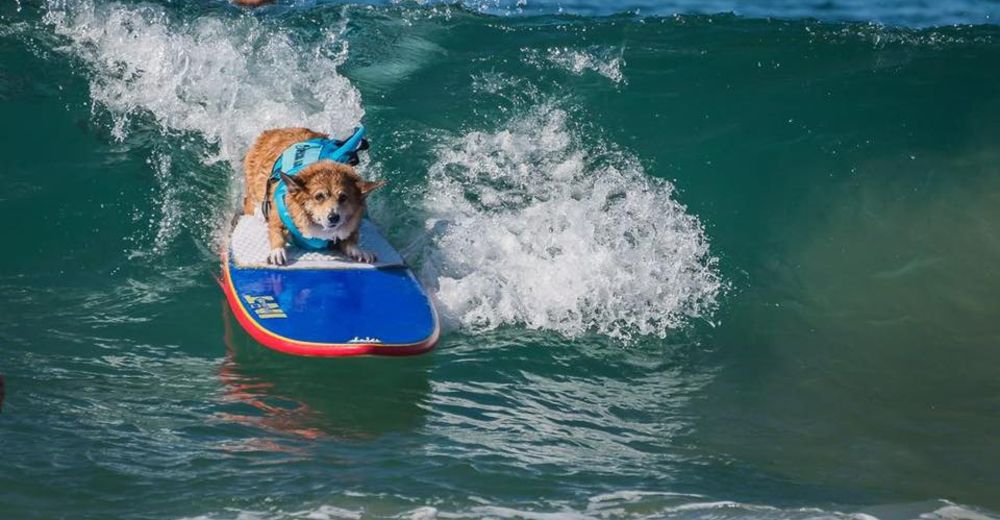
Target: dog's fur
x: 326, y: 199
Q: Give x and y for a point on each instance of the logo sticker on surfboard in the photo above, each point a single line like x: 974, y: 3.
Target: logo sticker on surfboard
x: 264, y: 307
x: 366, y: 339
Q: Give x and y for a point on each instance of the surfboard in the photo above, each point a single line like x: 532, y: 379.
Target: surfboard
x: 323, y: 304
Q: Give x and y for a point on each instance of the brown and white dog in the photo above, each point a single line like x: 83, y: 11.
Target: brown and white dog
x: 325, y: 200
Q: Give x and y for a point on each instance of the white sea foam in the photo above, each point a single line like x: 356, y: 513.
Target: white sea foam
x: 531, y: 227
x: 677, y: 506
x: 227, y: 79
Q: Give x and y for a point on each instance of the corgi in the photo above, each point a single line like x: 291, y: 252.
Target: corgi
x: 325, y: 200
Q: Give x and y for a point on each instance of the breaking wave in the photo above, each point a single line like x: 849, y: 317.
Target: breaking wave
x: 532, y: 227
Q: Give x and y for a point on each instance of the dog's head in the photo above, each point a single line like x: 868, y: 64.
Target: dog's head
x: 331, y: 193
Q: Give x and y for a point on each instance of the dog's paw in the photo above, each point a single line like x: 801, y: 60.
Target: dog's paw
x: 277, y: 256
x: 363, y: 256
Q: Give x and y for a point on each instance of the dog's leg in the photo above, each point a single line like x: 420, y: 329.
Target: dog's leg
x: 350, y: 248
x: 276, y: 239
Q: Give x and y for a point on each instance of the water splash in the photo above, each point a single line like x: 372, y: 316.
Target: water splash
x: 531, y: 227
x: 607, y: 62
x: 167, y: 225
x: 226, y: 79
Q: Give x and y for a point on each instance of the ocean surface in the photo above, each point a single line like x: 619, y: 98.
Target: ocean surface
x: 695, y: 260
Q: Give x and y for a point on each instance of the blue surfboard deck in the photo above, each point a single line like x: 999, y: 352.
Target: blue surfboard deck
x: 347, y: 310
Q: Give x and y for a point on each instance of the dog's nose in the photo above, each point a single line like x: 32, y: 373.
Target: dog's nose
x: 334, y: 218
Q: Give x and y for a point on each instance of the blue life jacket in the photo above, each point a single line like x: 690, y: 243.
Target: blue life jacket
x: 294, y: 159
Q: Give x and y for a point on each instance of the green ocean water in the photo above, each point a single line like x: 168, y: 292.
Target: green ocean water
x: 692, y: 266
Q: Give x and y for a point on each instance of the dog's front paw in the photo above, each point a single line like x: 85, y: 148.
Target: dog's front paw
x: 277, y: 256
x: 363, y: 256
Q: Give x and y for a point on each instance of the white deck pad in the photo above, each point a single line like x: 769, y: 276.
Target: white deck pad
x: 249, y: 248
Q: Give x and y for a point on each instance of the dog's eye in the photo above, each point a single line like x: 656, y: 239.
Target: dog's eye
x: 342, y: 198
x: 320, y: 197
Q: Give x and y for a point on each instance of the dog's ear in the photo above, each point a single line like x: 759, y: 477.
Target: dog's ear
x: 294, y: 184
x: 368, y: 187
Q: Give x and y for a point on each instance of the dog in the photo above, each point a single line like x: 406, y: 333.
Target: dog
x: 325, y: 200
